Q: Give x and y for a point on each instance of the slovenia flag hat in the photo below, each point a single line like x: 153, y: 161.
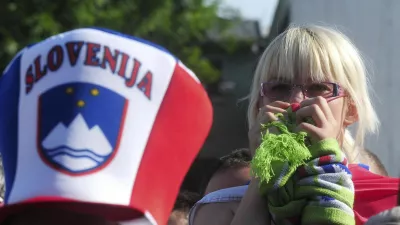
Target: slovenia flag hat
x: 100, y: 123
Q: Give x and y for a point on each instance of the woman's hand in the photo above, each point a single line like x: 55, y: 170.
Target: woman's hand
x: 265, y: 115
x: 325, y: 124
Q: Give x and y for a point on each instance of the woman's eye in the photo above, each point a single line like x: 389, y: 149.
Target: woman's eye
x: 318, y: 87
x: 280, y: 87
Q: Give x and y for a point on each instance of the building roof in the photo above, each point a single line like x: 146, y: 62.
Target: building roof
x: 242, y: 30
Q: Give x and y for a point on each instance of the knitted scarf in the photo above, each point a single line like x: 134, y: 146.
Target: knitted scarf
x: 304, y: 182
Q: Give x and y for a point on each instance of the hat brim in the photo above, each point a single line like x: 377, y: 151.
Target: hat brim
x: 109, y: 212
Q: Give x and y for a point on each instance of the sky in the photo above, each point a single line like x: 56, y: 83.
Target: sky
x: 261, y: 10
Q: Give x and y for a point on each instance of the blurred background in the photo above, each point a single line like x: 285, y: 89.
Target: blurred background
x: 221, y: 41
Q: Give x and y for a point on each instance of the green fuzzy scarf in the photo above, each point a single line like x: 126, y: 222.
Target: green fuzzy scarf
x: 276, y: 150
x: 304, y: 182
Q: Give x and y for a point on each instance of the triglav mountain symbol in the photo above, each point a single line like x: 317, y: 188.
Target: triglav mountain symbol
x: 76, y: 147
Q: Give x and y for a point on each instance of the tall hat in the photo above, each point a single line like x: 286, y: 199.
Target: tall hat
x: 101, y: 123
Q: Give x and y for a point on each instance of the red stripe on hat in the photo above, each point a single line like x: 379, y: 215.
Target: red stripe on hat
x: 179, y: 131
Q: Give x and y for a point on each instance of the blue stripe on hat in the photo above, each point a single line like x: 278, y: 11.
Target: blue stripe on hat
x: 9, y: 106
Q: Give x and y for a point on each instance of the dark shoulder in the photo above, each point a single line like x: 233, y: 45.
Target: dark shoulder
x: 215, y: 213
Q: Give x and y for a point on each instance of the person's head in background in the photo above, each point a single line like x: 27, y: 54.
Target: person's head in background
x: 309, y: 56
x: 388, y: 217
x: 375, y: 163
x: 183, y: 204
x: 233, y: 170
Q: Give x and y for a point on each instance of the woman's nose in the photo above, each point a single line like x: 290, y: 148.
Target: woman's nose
x: 296, y: 95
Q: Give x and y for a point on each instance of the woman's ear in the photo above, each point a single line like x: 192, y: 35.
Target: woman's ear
x: 351, y: 115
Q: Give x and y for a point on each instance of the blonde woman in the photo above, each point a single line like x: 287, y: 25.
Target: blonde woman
x: 322, y: 70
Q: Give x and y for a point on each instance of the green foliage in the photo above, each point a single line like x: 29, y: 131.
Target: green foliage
x: 178, y: 25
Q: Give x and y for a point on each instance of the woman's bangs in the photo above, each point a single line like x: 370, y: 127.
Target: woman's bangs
x: 297, y: 58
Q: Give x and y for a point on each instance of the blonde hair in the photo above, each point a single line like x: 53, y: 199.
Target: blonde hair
x: 320, y: 54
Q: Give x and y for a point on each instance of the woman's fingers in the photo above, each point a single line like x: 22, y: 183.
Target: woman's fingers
x: 280, y: 104
x: 309, y: 129
x: 271, y: 116
x: 266, y: 114
x: 274, y: 108
x: 267, y: 117
x: 325, y: 125
x: 311, y: 111
x: 322, y: 103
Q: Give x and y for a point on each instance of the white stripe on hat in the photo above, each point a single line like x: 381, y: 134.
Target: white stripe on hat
x: 112, y: 184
